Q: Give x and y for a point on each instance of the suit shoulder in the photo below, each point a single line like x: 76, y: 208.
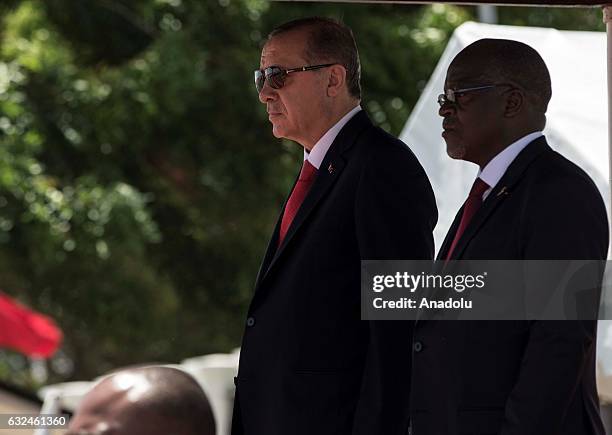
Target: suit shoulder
x: 383, y: 150
x: 554, y: 169
x: 564, y: 212
x: 560, y: 184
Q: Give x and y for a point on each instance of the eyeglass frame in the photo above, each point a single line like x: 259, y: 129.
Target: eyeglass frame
x: 450, y: 95
x: 284, y: 73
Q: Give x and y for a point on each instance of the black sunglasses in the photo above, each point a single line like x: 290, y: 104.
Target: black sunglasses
x: 276, y: 76
x: 451, y: 95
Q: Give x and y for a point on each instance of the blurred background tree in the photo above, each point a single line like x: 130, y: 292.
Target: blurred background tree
x: 139, y: 180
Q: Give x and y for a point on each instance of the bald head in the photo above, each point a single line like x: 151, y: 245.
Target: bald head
x: 504, y: 60
x: 496, y: 91
x: 149, y: 400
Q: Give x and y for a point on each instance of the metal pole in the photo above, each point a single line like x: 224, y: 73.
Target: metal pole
x: 52, y: 405
x: 607, y: 17
x: 487, y: 14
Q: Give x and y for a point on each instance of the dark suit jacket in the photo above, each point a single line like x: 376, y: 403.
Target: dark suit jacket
x: 308, y: 364
x: 517, y: 377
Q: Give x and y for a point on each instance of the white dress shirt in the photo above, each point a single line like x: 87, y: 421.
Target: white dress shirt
x: 318, y: 151
x: 496, y: 168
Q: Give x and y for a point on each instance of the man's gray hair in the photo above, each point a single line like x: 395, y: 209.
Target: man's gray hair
x: 328, y: 41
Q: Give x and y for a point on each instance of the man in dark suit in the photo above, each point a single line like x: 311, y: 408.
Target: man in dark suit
x: 308, y: 364
x: 528, y: 203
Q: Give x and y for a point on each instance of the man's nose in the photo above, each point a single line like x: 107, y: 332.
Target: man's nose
x: 446, y: 109
x: 267, y: 93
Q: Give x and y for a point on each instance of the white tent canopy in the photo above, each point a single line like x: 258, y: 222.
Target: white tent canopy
x: 576, y: 127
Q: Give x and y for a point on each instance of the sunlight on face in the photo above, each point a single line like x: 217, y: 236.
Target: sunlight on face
x: 297, y: 110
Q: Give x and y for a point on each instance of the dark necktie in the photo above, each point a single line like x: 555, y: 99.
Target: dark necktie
x: 305, y: 180
x: 471, y: 206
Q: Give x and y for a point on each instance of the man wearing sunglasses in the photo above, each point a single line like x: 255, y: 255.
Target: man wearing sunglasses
x: 528, y: 203
x: 308, y: 364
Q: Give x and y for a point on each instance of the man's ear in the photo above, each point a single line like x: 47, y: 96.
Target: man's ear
x: 337, y: 79
x: 515, y: 102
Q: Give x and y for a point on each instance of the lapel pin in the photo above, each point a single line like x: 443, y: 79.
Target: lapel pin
x: 503, y: 191
x: 330, y: 168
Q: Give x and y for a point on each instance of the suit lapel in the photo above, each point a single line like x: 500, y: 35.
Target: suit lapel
x: 326, y: 177
x: 273, y: 243
x: 503, y: 189
x: 329, y: 171
x: 450, y: 235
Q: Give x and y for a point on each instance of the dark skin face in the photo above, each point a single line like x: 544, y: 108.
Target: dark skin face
x: 480, y: 124
x: 112, y: 408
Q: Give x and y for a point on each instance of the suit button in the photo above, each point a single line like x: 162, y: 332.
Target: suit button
x: 417, y: 346
x: 235, y: 380
x: 251, y: 321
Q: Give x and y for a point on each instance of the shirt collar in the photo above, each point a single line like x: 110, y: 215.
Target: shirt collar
x: 317, y: 154
x: 496, y: 168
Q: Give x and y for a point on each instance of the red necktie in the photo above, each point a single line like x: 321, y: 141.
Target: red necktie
x: 305, y: 180
x: 471, y: 206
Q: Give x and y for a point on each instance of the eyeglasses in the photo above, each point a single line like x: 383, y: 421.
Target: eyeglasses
x: 276, y: 76
x: 451, y: 95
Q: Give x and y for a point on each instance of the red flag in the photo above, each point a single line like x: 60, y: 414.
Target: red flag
x: 27, y: 331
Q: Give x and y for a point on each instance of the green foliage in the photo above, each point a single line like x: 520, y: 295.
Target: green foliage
x: 125, y: 194
x: 139, y: 179
x: 559, y: 18
x: 101, y: 30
